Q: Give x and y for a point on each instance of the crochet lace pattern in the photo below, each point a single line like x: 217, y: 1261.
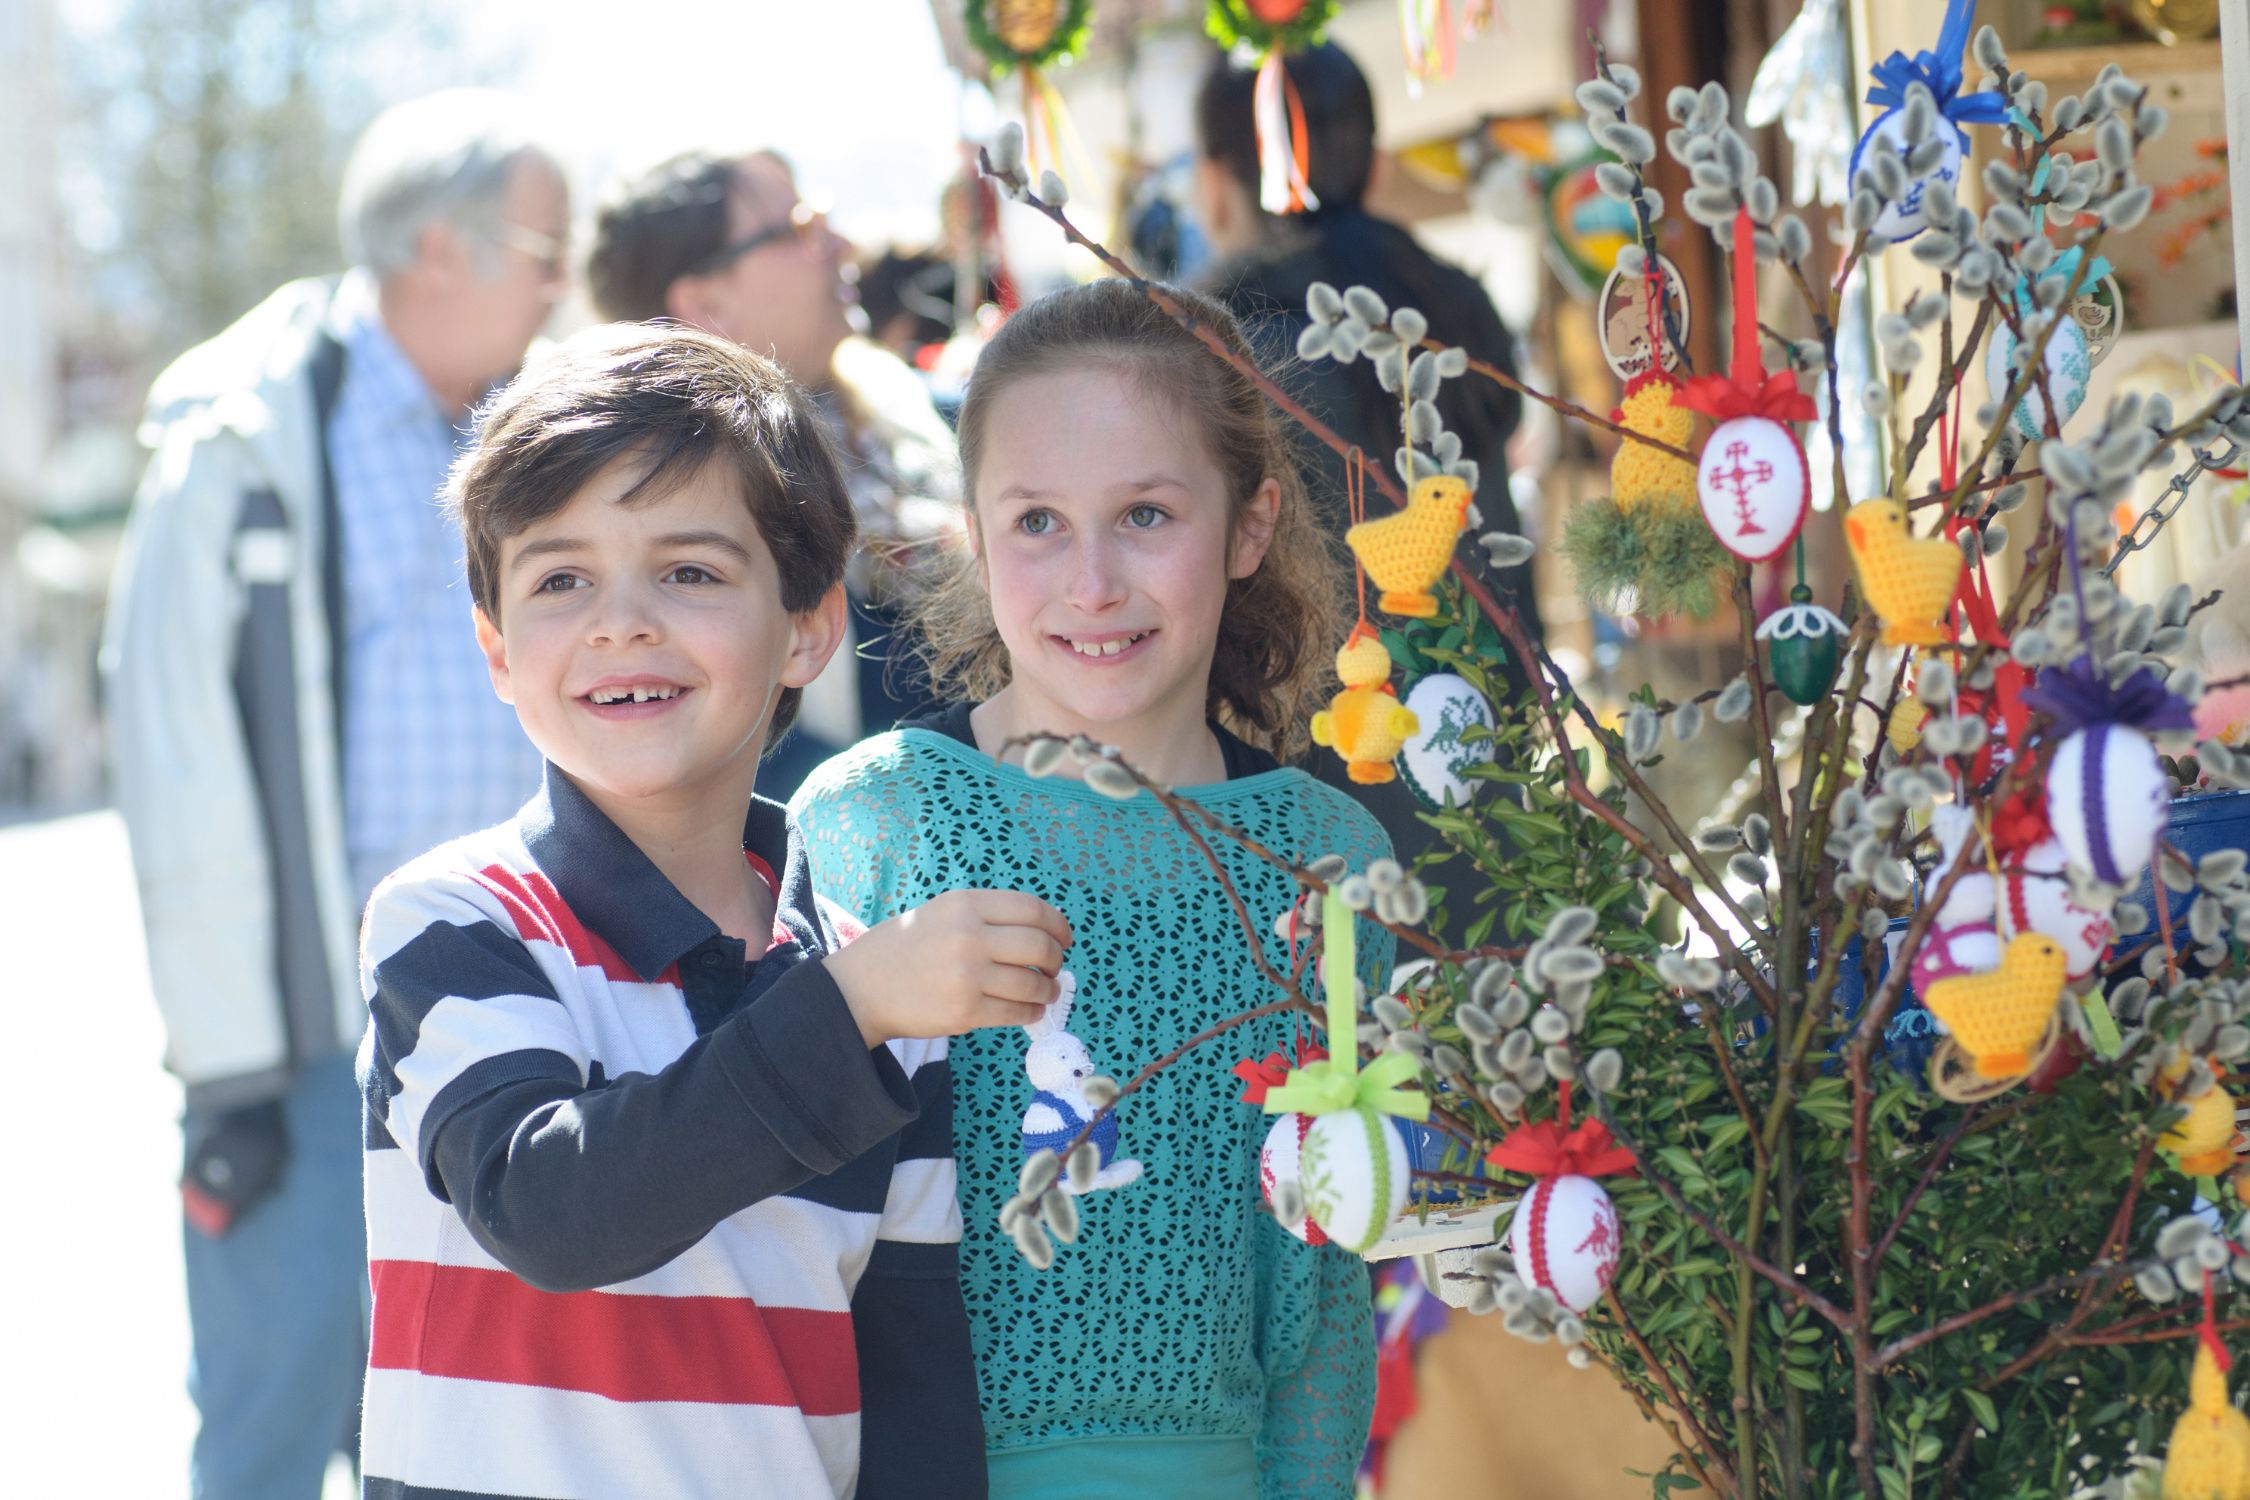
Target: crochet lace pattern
x: 1183, y: 1310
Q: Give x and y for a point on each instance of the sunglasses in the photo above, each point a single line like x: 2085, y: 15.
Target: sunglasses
x: 550, y: 253
x: 804, y: 221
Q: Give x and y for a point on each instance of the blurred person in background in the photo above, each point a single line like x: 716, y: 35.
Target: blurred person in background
x: 300, y: 706
x: 1264, y: 264
x: 725, y: 242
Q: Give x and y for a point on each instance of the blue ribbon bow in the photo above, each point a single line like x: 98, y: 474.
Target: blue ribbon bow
x: 2079, y: 696
x: 1940, y: 73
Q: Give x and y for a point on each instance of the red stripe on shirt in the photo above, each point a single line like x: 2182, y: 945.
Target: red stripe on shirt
x: 541, y: 914
x: 471, y: 1323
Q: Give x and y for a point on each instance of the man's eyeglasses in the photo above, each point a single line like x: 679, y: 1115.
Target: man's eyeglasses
x: 551, y: 253
x: 803, y: 222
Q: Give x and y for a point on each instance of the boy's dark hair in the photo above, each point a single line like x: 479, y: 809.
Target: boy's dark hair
x: 653, y: 229
x: 679, y: 402
x: 1339, y: 121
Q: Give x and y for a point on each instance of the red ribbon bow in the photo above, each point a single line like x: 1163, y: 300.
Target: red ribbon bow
x: 1257, y: 1077
x: 1746, y: 390
x: 1547, y: 1149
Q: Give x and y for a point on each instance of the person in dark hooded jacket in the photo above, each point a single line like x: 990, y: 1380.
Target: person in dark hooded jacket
x: 1265, y: 265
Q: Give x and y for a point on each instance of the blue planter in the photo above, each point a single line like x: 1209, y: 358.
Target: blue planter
x: 1425, y: 1152
x: 2197, y: 826
x: 1911, y: 1032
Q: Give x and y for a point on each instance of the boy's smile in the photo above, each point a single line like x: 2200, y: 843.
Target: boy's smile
x: 644, y: 642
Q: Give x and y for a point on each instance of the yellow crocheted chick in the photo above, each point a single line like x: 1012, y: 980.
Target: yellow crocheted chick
x: 1407, y: 553
x: 2203, y: 1139
x: 1640, y: 474
x: 2209, y: 1455
x: 1909, y: 580
x: 1998, y: 1017
x: 1365, y: 723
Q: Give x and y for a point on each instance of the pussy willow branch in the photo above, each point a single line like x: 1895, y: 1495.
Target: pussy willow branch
x: 1561, y: 404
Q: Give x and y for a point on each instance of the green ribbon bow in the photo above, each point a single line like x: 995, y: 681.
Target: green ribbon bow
x: 1337, y: 1082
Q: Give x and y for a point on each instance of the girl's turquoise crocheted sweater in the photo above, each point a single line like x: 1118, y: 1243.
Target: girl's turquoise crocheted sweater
x: 1185, y: 1342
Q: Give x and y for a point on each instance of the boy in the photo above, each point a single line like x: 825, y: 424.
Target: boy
x: 638, y: 1123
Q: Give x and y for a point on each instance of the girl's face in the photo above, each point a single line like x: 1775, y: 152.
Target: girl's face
x: 1103, y: 534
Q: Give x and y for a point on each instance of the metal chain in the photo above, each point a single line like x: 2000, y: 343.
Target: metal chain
x: 2168, y: 504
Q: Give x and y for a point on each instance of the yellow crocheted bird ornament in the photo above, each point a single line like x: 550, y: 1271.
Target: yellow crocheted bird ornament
x: 1998, y: 1017
x: 1640, y: 474
x: 1408, y: 553
x: 2203, y: 1139
x: 1365, y: 723
x: 1910, y: 580
x: 2209, y: 1455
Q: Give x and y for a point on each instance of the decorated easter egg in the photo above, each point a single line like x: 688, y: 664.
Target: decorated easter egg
x: 1278, y: 1163
x: 1901, y: 218
x: 2069, y: 366
x: 1565, y: 1238
x: 1753, y: 487
x: 2107, y: 797
x: 1438, y: 755
x: 1353, y: 1170
x: 2035, y: 897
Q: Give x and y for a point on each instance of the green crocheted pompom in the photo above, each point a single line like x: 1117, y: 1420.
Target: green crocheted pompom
x: 1234, y: 23
x: 1651, y: 561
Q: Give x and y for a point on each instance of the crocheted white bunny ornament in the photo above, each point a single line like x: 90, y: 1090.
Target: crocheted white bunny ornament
x: 1059, y: 1065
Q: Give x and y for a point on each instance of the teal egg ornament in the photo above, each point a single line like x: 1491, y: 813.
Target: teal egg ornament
x: 1804, y: 648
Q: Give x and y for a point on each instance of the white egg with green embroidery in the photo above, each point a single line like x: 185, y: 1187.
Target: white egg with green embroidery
x: 1354, y: 1173
x: 1438, y: 756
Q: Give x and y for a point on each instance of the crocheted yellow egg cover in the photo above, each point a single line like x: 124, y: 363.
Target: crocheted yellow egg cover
x: 1910, y: 580
x: 1997, y: 1017
x: 2209, y: 1455
x: 2204, y: 1138
x: 1407, y: 553
x: 1640, y: 474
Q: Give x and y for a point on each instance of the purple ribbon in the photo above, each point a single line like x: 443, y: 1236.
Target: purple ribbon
x: 1940, y: 73
x: 2080, y: 696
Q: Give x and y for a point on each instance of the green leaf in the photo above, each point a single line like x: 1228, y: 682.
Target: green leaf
x: 1987, y: 1414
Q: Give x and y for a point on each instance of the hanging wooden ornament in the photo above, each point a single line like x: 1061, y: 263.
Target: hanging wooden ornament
x: 1640, y: 335
x: 1752, y: 482
x: 1804, y: 645
x: 1274, y: 28
x: 1279, y: 1159
x: 2107, y: 793
x: 1023, y: 37
x: 1565, y: 1234
x: 1352, y: 1164
x: 1453, y: 724
x: 1938, y: 71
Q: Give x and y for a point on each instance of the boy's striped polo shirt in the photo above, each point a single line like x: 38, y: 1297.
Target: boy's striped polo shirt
x: 624, y: 1180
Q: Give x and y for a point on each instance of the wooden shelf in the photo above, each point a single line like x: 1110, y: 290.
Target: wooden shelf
x: 2074, y: 67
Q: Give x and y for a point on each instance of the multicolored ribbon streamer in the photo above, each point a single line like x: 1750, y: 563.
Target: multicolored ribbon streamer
x: 1283, y: 142
x: 1337, y: 1082
x: 1746, y: 390
x: 1940, y: 73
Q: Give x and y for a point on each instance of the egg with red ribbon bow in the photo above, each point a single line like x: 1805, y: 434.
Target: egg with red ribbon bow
x: 1565, y: 1239
x: 1754, y: 487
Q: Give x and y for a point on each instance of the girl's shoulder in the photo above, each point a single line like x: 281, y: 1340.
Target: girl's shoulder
x: 890, y: 767
x: 1295, y: 813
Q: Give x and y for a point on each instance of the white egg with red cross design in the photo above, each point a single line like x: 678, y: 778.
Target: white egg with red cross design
x: 1277, y: 1164
x: 1565, y: 1238
x: 2035, y: 897
x: 1753, y: 486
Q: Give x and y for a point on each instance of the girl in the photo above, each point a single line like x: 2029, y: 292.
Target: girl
x: 1144, y: 571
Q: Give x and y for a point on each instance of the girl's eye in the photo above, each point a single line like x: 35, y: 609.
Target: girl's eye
x: 1035, y: 522
x: 1144, y: 516
x: 559, y: 583
x: 690, y: 573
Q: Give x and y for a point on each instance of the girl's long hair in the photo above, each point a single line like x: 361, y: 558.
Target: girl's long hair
x: 1280, y: 626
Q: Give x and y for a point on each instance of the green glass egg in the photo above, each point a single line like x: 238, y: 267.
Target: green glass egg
x: 1805, y: 660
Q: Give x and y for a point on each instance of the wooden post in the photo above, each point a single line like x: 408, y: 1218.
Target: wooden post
x: 2234, y: 68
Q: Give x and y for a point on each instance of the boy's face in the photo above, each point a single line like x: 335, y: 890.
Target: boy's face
x: 644, y: 645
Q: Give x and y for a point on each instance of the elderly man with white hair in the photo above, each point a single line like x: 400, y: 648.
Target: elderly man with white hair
x: 299, y: 706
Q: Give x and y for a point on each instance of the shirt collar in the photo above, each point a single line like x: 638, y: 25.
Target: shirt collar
x: 378, y: 377
x: 617, y: 891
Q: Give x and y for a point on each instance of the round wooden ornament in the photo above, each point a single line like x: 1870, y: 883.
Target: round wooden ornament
x: 1565, y: 1239
x: 1631, y: 346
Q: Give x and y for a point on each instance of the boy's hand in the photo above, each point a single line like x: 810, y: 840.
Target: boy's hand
x: 962, y: 960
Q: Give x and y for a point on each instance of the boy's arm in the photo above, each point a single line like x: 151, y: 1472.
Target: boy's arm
x: 484, y: 1078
